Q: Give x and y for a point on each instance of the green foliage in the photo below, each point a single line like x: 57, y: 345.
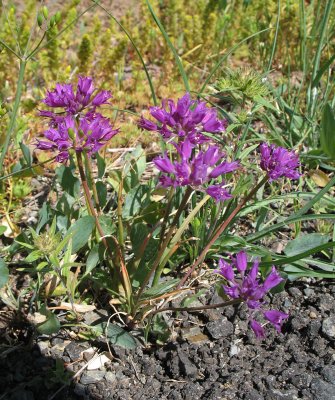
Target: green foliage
x: 85, y: 53
x: 133, y: 251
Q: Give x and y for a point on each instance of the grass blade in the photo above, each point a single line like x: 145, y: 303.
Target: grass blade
x: 153, y: 94
x: 168, y: 41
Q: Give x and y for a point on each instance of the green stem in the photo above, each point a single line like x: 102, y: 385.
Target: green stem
x: 220, y: 230
x: 119, y: 214
x: 94, y: 186
x: 164, y: 244
x: 15, y: 110
x: 166, y: 215
x: 123, y: 273
x: 10, y: 49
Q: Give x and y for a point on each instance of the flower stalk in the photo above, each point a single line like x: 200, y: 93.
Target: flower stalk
x: 13, y: 117
x: 221, y: 229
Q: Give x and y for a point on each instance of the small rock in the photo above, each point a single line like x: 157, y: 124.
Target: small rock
x: 220, y: 328
x: 308, y: 292
x: 299, y: 322
x: 295, y: 292
x: 194, y: 335
x: 328, y: 372
x: 186, y: 365
x: 301, y: 381
x: 80, y: 390
x: 43, y: 347
x: 328, y: 327
x: 110, y: 377
x: 312, y: 315
x: 74, y: 351
x: 234, y: 350
x: 322, y: 390
x: 98, y: 362
x: 275, y: 394
x: 287, y: 303
x: 92, y: 377
x: 57, y: 350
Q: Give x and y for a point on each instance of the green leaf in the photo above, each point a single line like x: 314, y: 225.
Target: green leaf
x: 26, y: 154
x: 2, y: 229
x: 102, y: 193
x: 33, y: 256
x: 247, y: 151
x: 304, y: 243
x: 138, y: 234
x: 81, y: 231
x: 68, y: 181
x: 4, y: 273
x: 174, y: 51
x: 260, y: 100
x: 160, y: 289
x: 51, y: 325
x: 116, y: 335
x: 134, y: 201
x: 101, y: 166
x: 107, y: 225
x: 327, y: 136
x: 92, y: 259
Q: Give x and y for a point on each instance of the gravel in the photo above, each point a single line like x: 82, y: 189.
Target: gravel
x: 211, y: 358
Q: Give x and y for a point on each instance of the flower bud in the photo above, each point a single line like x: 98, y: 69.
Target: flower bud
x: 45, y: 12
x: 52, y: 21
x: 58, y: 17
x: 39, y: 20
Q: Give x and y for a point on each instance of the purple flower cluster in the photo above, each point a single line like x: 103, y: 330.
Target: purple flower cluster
x: 63, y: 96
x: 76, y: 126
x: 199, y: 162
x: 186, y: 119
x: 196, y: 170
x: 279, y: 162
x: 248, y: 288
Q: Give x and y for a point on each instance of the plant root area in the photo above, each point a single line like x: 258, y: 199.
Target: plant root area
x: 212, y: 354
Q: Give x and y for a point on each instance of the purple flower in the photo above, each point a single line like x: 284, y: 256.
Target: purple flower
x: 186, y: 119
x: 79, y: 127
x: 196, y: 170
x: 279, y: 162
x: 89, y: 135
x: 276, y: 318
x: 64, y: 96
x: 248, y: 288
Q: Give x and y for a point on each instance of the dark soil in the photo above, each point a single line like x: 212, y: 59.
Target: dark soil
x: 214, y: 356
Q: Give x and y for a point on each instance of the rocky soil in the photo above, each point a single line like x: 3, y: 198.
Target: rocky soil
x: 213, y: 356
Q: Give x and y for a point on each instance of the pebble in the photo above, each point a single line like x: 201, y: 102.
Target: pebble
x: 328, y: 327
x: 43, y: 347
x: 234, y: 350
x: 220, y: 328
x: 110, y: 377
x: 328, y: 372
x: 92, y: 377
x: 312, y: 315
x: 187, y: 367
x: 295, y: 292
x: 308, y: 292
x: 80, y: 390
x: 322, y: 390
x: 74, y: 351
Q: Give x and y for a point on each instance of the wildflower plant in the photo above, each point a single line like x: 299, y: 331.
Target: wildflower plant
x: 193, y: 165
x: 131, y: 239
